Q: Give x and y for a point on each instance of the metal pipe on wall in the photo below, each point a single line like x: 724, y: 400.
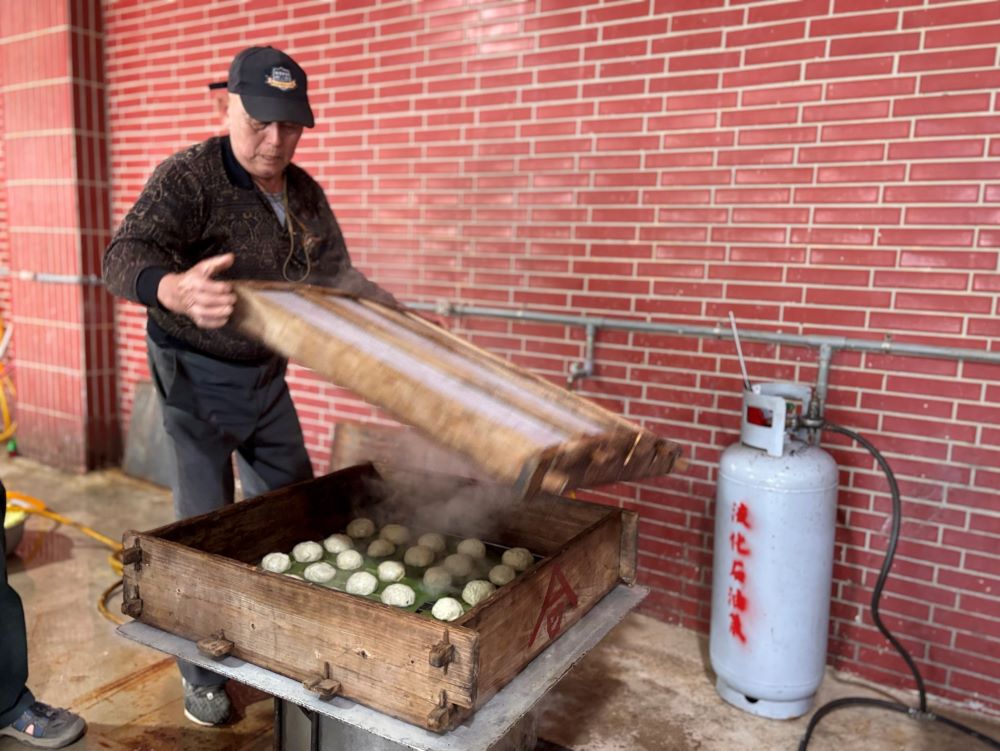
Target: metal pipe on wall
x: 827, y: 345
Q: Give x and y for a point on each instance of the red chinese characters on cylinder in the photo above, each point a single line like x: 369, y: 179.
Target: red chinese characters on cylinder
x: 740, y: 546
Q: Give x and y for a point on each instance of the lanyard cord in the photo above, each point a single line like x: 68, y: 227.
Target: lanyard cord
x: 290, y: 220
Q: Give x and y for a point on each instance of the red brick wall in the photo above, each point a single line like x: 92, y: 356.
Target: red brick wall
x: 56, y: 199
x: 820, y: 166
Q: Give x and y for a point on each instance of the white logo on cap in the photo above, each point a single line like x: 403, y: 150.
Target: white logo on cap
x: 281, y: 78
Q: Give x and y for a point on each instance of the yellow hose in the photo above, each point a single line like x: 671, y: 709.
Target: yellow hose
x: 29, y: 505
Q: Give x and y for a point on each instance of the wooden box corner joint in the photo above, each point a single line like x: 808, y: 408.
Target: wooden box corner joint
x: 215, y: 646
x: 442, y: 653
x: 322, y: 684
x: 132, y: 556
x: 440, y: 717
x: 131, y: 602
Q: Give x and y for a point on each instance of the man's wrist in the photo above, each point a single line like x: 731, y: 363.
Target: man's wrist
x: 147, y: 286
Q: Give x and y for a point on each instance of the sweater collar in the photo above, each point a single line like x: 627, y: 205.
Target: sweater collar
x: 235, y: 171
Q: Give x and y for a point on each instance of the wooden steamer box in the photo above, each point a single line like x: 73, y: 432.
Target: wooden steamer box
x: 199, y: 578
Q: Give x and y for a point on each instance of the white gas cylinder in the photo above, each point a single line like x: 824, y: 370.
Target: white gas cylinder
x: 774, y: 524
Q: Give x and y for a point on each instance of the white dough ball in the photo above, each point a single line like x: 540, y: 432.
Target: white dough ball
x: 447, y: 609
x: 361, y: 527
x: 437, y: 579
x: 434, y: 541
x: 399, y: 595
x: 391, y: 571
x: 380, y: 548
x: 337, y: 544
x: 519, y: 559
x: 418, y: 556
x: 279, y: 563
x: 502, y: 574
x: 349, y: 560
x: 397, y: 534
x: 321, y: 572
x: 458, y: 564
x: 477, y: 590
x: 307, y: 552
x: 472, y: 547
x: 361, y: 583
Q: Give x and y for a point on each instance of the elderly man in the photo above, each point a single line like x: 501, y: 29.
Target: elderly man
x: 231, y: 207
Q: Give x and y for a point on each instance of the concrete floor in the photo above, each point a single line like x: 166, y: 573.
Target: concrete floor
x: 647, y: 687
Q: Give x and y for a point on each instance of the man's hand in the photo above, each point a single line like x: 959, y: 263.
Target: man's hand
x: 195, y: 294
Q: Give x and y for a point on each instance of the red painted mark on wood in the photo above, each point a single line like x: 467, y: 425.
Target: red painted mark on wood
x: 559, y: 598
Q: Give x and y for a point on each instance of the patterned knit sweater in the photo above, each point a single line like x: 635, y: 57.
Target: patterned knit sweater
x: 199, y: 203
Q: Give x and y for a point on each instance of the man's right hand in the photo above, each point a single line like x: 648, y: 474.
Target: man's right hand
x: 194, y: 293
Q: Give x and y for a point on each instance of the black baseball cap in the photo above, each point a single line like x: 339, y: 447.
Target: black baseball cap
x: 271, y: 86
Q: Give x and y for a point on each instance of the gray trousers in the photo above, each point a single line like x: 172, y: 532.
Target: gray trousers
x: 211, y: 409
x: 14, y: 694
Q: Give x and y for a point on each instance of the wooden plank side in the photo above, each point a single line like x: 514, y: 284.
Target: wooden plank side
x: 401, y: 394
x: 537, y: 608
x: 463, y: 365
x: 539, y: 385
x: 379, y: 654
x: 628, y: 567
x: 311, y: 509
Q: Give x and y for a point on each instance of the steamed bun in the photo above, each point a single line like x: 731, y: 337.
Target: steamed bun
x: 307, y: 552
x: 418, y: 556
x: 361, y: 583
x: 477, y: 590
x: 279, y: 563
x: 447, y: 609
x: 361, y: 527
x: 320, y: 572
x: 337, y: 544
x: 399, y: 595
x: 519, y: 559
x: 349, y: 560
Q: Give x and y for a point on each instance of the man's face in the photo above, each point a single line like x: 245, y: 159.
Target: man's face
x: 264, y: 149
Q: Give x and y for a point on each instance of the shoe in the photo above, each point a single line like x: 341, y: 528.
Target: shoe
x: 207, y: 706
x: 43, y: 726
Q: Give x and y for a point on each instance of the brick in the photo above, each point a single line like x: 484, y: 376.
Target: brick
x: 761, y: 136
x: 846, y: 194
x: 930, y: 280
x: 932, y: 238
x: 868, y: 44
x: 982, y: 57
x: 707, y: 61
x: 872, y: 87
x: 958, y: 126
x: 752, y: 195
x: 843, y: 23
x: 952, y: 215
x: 666, y: 45
x: 861, y: 174
x: 853, y: 153
x: 947, y: 259
x: 908, y: 322
x: 766, y: 34
x: 974, y: 79
x: 787, y: 10
x: 759, y: 76
x: 779, y: 53
x: 962, y: 13
x: 932, y: 194
x: 869, y: 66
